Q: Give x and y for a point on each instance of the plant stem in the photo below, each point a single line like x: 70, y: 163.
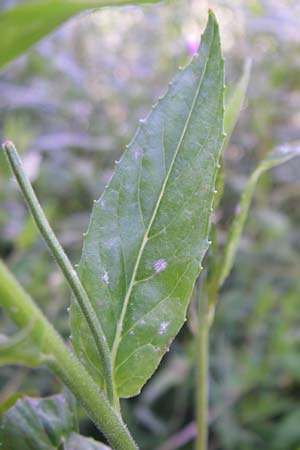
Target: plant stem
x: 205, y: 320
x: 24, y: 312
x: 63, y: 263
x: 202, y: 387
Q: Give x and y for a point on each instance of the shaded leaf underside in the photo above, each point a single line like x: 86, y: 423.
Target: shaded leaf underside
x: 36, y: 423
x: 43, y: 424
x: 148, y: 231
x: 25, y: 24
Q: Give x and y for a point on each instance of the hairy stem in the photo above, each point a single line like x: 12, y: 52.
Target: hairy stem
x: 63, y: 263
x: 24, y: 311
x: 205, y: 320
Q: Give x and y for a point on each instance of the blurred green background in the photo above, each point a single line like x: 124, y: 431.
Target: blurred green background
x: 71, y: 104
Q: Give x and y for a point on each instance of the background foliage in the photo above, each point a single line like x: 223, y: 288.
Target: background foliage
x: 71, y: 104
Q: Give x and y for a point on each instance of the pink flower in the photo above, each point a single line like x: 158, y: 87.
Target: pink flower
x: 192, y: 43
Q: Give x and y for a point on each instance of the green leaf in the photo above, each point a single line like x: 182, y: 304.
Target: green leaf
x: 24, y: 25
x: 234, y: 100
x: 44, y: 424
x: 78, y: 442
x: 149, y: 231
x: 37, y: 424
x: 22, y: 348
x: 278, y: 156
x: 287, y: 432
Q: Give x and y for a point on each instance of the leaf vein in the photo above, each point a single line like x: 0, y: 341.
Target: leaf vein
x: 160, y: 302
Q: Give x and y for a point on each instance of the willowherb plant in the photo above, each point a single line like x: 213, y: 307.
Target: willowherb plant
x: 141, y: 256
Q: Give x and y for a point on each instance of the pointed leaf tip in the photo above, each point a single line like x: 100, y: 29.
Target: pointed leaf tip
x: 7, y: 144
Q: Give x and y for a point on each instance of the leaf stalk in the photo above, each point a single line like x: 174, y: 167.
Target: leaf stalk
x: 21, y: 308
x: 64, y: 264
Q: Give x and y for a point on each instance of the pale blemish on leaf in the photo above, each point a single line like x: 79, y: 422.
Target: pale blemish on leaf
x: 160, y: 265
x: 105, y: 278
x: 137, y: 153
x: 163, y: 327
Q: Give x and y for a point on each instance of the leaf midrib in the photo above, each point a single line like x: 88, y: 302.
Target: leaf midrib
x: 145, y: 237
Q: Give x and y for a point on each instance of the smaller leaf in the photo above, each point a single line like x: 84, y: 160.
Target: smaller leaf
x: 10, y: 400
x: 44, y: 424
x: 37, y: 424
x: 278, y: 156
x: 78, y: 442
x: 24, y: 25
x: 234, y: 100
x: 287, y: 432
x: 21, y: 349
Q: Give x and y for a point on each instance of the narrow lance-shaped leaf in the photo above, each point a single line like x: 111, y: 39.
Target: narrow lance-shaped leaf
x: 278, y: 156
x: 149, y: 230
x: 24, y: 25
x: 234, y: 100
